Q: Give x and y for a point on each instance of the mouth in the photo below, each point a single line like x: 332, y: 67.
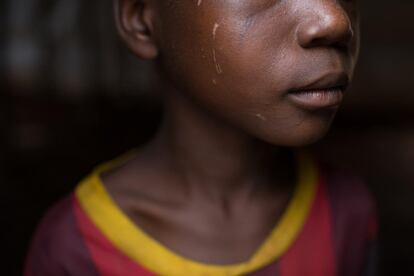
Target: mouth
x: 325, y: 92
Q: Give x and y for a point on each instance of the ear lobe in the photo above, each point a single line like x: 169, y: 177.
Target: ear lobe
x: 134, y: 20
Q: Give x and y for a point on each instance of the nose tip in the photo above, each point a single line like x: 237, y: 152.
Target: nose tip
x: 330, y: 26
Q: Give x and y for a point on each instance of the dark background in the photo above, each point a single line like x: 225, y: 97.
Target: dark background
x: 71, y: 97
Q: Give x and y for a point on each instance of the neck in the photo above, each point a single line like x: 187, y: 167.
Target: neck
x: 211, y: 158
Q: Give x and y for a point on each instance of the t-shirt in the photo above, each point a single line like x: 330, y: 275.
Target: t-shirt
x: 327, y: 229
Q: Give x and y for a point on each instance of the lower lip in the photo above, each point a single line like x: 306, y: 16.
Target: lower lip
x: 317, y: 99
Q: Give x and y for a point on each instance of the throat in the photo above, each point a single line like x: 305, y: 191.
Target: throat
x: 221, y: 165
x: 229, y: 177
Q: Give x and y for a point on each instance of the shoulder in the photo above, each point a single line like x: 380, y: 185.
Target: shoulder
x: 348, y: 190
x: 58, y: 222
x: 354, y: 217
x: 353, y: 206
x: 57, y: 246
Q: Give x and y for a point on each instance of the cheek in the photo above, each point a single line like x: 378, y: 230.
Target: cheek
x: 217, y: 46
x: 249, y: 55
x: 233, y: 64
x: 188, y: 53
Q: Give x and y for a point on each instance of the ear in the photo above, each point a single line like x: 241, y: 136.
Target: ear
x: 134, y: 20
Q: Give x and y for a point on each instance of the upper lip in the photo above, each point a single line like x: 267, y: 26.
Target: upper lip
x: 329, y: 81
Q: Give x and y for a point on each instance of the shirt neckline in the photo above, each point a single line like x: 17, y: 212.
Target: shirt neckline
x: 131, y: 240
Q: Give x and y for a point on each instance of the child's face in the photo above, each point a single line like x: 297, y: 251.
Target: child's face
x: 241, y: 59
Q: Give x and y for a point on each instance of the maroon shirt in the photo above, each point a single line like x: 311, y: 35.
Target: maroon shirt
x: 338, y: 238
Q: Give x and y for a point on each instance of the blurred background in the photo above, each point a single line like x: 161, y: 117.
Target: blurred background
x: 71, y: 96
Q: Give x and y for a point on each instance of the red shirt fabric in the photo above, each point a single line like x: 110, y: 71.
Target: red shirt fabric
x: 338, y: 238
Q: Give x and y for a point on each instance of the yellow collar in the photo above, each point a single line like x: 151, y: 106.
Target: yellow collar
x: 151, y: 254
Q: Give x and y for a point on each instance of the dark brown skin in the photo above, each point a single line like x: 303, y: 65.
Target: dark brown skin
x: 214, y: 181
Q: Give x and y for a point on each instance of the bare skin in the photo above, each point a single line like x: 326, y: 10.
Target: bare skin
x: 243, y: 80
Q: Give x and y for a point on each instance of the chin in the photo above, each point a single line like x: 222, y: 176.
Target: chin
x: 308, y: 132
x: 308, y: 138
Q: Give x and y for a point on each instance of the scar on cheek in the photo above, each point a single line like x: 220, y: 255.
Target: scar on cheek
x: 217, y: 65
x: 199, y: 2
x: 261, y: 117
x: 215, y: 27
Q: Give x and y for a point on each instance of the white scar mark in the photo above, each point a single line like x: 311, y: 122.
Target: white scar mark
x: 199, y: 2
x: 261, y: 117
x: 216, y: 25
x: 218, y: 67
x: 214, y: 81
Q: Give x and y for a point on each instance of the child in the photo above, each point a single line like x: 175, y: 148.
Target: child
x: 223, y: 189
